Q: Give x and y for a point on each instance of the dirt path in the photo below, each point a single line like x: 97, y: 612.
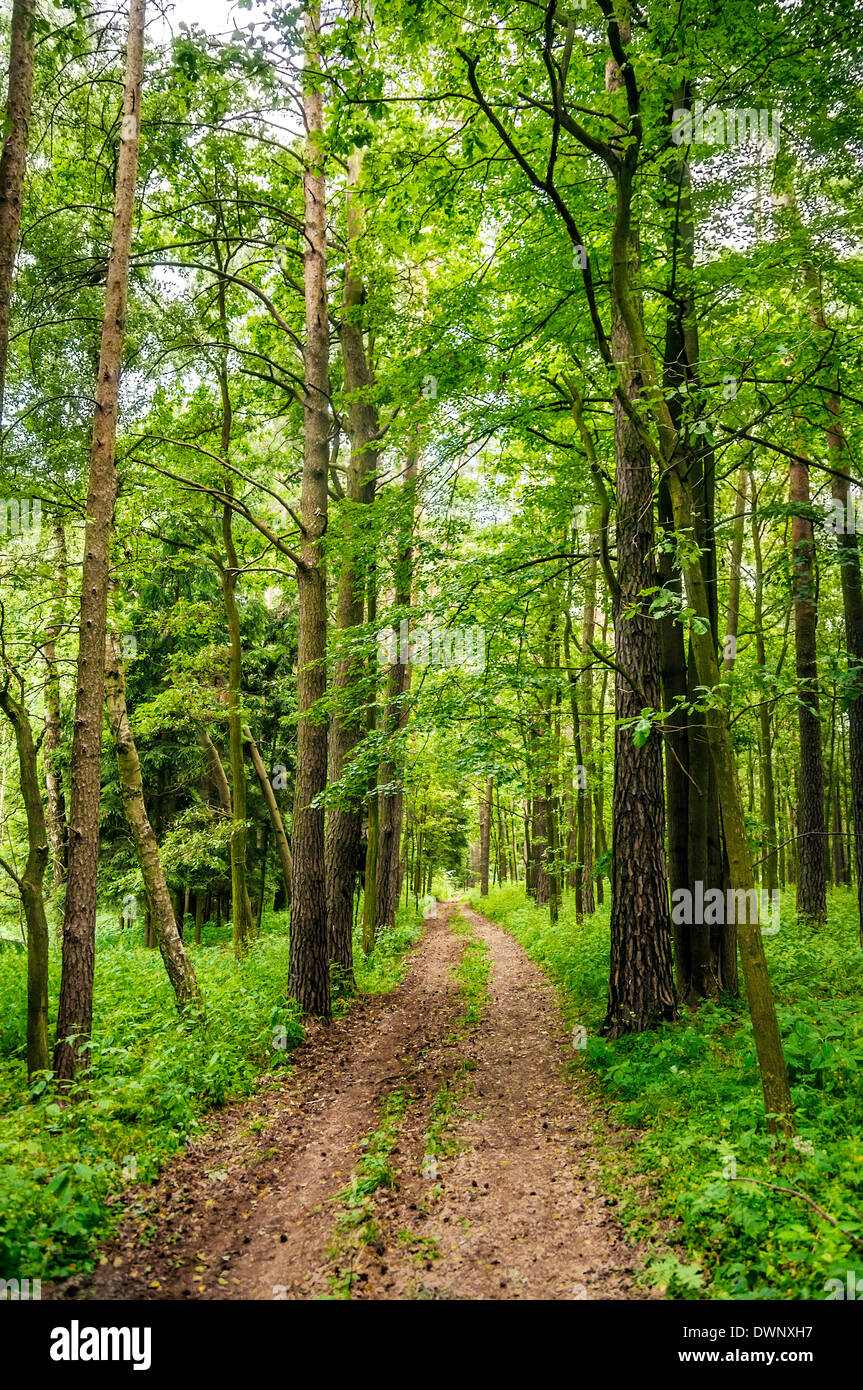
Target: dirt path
x: 514, y: 1211
x: 507, y: 1206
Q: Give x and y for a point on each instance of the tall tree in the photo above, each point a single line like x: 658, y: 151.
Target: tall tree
x: 344, y: 821
x: 79, y: 926
x: 850, y: 578
x: 769, y: 873
x: 13, y: 160
x: 308, y: 976
x: 812, y: 878
x: 391, y: 799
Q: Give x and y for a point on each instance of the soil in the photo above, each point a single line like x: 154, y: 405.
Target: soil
x: 505, y: 1203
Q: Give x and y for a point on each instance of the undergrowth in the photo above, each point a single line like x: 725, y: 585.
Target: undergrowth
x: 64, y: 1164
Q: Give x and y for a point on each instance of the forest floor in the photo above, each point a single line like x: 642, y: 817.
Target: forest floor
x: 432, y: 1143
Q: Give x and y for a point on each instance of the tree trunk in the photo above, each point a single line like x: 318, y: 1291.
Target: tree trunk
x: 501, y: 844
x: 581, y: 793
x: 13, y: 162
x: 704, y: 973
x: 241, y: 912
x: 217, y: 771
x: 539, y: 849
x: 733, y: 622
x: 344, y: 821
x: 79, y: 927
x: 762, y: 1010
x: 706, y: 957
x: 676, y: 467
x: 30, y: 885
x: 769, y: 873
x: 676, y: 731
x: 180, y: 970
x: 588, y: 778
x: 58, y: 830
x: 641, y: 991
x: 600, y: 841
x: 309, y: 973
x: 370, y: 916
x: 485, y: 835
x: 852, y: 596
x: 275, y: 814
x: 391, y: 801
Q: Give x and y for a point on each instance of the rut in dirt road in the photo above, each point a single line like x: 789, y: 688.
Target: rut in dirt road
x: 486, y: 1186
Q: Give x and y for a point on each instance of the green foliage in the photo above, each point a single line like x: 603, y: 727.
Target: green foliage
x: 700, y: 1155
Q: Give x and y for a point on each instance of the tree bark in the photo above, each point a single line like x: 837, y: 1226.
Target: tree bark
x: 79, y: 927
x: 13, y: 162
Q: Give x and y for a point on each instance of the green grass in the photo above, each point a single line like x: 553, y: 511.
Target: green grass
x: 471, y: 973
x: 63, y: 1166
x: 691, y: 1093
x: 374, y: 1169
x: 472, y: 976
x: 356, y: 1225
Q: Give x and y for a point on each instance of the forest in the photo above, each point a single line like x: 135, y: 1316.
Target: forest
x: 431, y: 650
